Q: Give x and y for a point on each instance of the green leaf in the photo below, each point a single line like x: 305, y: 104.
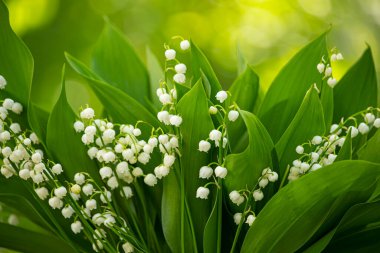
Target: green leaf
x: 200, y: 64
x: 345, y: 153
x: 193, y: 107
x: 23, y: 240
x: 314, y: 205
x: 156, y: 74
x: 287, y: 90
x: 212, y: 235
x: 38, y: 119
x: 371, y: 149
x: 120, y: 106
x: 115, y: 61
x: 307, y: 123
x: 244, y: 169
x: 16, y: 64
x: 327, y: 101
x: 64, y: 143
x: 357, y: 90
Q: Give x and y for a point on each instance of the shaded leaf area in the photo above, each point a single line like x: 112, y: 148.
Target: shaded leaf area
x: 245, y: 92
x: 156, y: 74
x: 202, y: 69
x: 315, y: 204
x: 115, y: 61
x: 212, y: 234
x: 371, y: 149
x: 357, y: 90
x: 288, y: 88
x: 345, y: 153
x: 64, y: 143
x: 24, y: 240
x: 197, y: 123
x: 121, y: 107
x: 307, y: 123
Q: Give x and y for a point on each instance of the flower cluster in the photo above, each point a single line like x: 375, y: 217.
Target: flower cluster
x: 239, y: 197
x: 84, y: 201
x: 324, y: 67
x: 323, y: 150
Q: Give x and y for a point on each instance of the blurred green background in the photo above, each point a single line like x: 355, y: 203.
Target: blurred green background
x: 267, y: 32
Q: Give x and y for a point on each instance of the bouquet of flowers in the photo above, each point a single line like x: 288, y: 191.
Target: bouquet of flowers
x: 176, y: 163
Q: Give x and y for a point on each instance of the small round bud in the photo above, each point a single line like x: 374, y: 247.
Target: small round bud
x: 170, y: 54
x: 185, y: 44
x: 202, y: 193
x: 221, y: 96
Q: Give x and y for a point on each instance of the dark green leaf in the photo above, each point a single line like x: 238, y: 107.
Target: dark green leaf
x: 345, y: 153
x: 213, y: 228
x: 371, y: 149
x: 287, y: 90
x: 307, y: 123
x: 115, y: 61
x: 38, y: 119
x: 357, y: 90
x: 314, y: 204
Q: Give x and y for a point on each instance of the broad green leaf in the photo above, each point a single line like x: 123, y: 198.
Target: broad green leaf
x: 371, y: 149
x: 64, y: 143
x: 16, y: 64
x: 244, y: 169
x: 307, y: 123
x: 345, y: 153
x: 212, y: 235
x: 245, y: 92
x: 200, y: 64
x: 38, y: 119
x: 287, y: 90
x: 357, y: 90
x: 193, y: 107
x: 115, y: 61
x: 327, y: 101
x: 314, y: 204
x: 181, y: 90
x: 156, y: 74
x: 120, y: 106
x: 23, y: 240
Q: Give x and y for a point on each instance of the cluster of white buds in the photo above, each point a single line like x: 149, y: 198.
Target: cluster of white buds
x: 88, y: 204
x: 239, y: 197
x: 324, y: 67
x: 123, y: 154
x: 323, y: 150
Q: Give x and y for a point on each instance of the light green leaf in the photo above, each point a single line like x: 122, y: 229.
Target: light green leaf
x: 64, y: 143
x: 116, y: 62
x: 38, y: 119
x: 307, y: 123
x: 23, y: 240
x: 193, y: 107
x: 120, y: 106
x: 345, y: 153
x: 287, y: 90
x: 357, y: 90
x: 314, y: 204
x: 371, y: 149
x: 200, y: 64
x: 156, y: 74
x: 16, y: 64
x: 212, y: 235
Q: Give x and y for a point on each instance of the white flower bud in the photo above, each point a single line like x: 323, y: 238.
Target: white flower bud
x: 250, y: 219
x: 314, y: 156
x: 88, y: 189
x: 164, y: 117
x: 179, y: 78
x: 169, y: 160
x: 263, y: 182
x: 299, y: 149
x: 127, y: 192
x: 112, y: 183
x: 233, y: 115
x: 160, y: 91
x: 87, y: 113
x: 137, y: 172
x: 60, y: 192
x: 220, y: 172
x: 180, y: 68
x: 175, y: 120
x: 173, y: 92
x: 79, y: 178
x: 105, y: 172
x: 215, y: 135
x: 328, y: 71
x: 170, y: 54
x: 185, y: 44
x: 76, y: 189
x: 363, y: 128
x: 8, y: 103
x: 24, y: 174
x: 108, y: 136
x: 202, y: 193
x: 91, y: 204
x: 204, y: 146
x: 57, y: 169
x: 339, y: 56
x: 150, y: 180
x: 205, y: 172
x: 36, y: 157
x: 221, y: 96
x: 273, y: 177
x: 78, y: 126
x: 106, y: 197
x: 55, y: 203
x: 237, y: 218
x: 376, y: 123
x: 76, y: 227
x: 369, y: 118
x: 17, y: 108
x: 236, y: 198
x: 42, y: 192
x: 15, y: 127
x: 153, y: 141
x: 321, y: 67
x: 161, y: 171
x: 331, y: 82
x: 67, y: 212
x: 258, y: 195
x: 315, y: 167
x: 316, y: 140
x: 127, y: 247
x: 165, y: 99
x: 143, y: 158
x: 3, y: 82
x: 136, y: 132
x: 163, y: 138
x: 213, y: 110
x: 333, y: 57
x: 331, y: 157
